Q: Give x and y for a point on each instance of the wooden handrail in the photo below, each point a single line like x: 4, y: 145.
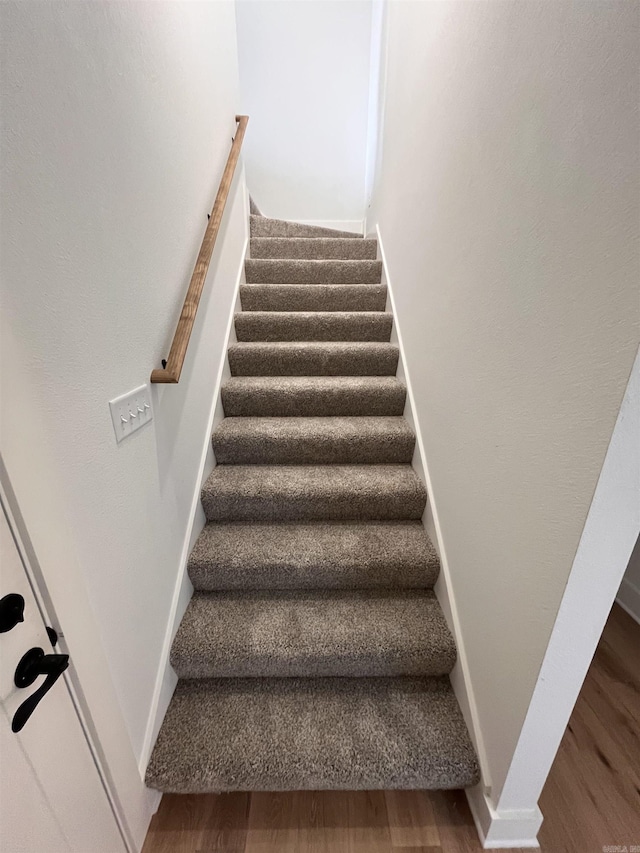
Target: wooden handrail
x: 173, y: 365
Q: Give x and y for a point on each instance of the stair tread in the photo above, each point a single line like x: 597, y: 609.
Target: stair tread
x: 313, y: 326
x: 251, y: 359
x: 321, y: 271
x: 265, y: 226
x: 295, y: 555
x: 317, y: 297
x: 308, y: 440
x: 282, y: 396
x: 306, y: 733
x: 338, y: 248
x: 350, y: 382
x: 313, y: 633
x: 313, y: 492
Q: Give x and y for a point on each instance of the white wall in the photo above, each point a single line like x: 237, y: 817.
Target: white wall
x: 611, y: 528
x: 629, y: 593
x: 304, y: 77
x: 118, y: 120
x: 507, y: 202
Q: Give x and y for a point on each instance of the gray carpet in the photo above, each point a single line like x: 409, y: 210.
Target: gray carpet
x: 262, y: 226
x: 313, y: 326
x: 313, y: 493
x: 322, y: 297
x: 309, y: 441
x: 263, y: 734
x: 313, y: 555
x: 310, y: 248
x: 312, y: 396
x: 313, y: 358
x: 285, y: 271
x: 271, y: 634
x: 314, y: 652
x: 299, y: 297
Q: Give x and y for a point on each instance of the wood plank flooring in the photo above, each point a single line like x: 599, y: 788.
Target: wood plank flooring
x: 591, y: 799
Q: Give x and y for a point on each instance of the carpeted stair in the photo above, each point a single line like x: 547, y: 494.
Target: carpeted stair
x: 314, y: 653
x: 309, y: 441
x: 313, y: 359
x: 262, y: 226
x: 312, y: 396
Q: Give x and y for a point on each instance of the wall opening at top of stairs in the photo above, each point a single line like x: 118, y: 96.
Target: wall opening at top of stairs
x: 304, y: 80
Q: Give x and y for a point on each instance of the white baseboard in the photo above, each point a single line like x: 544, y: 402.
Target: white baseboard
x: 460, y: 677
x: 629, y: 599
x: 506, y: 829
x: 156, y: 799
x: 355, y: 225
x: 166, y: 679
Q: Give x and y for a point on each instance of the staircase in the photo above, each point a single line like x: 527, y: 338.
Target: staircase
x: 313, y: 654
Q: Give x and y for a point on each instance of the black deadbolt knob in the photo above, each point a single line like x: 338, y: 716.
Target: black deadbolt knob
x: 11, y: 611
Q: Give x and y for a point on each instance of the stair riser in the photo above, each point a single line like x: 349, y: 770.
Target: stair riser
x: 311, y: 403
x: 263, y: 360
x: 309, y: 248
x: 342, y: 326
x: 271, y: 451
x: 320, y: 297
x: 353, y: 665
x: 311, y: 577
x: 263, y: 226
x: 268, y: 577
x: 334, y: 505
x: 312, y: 272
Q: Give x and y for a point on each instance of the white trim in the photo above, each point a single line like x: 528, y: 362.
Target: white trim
x: 354, y: 225
x: 505, y: 829
x: 609, y: 536
x: 629, y: 599
x: 165, y: 679
x: 377, y: 66
x: 460, y: 677
x: 377, y: 108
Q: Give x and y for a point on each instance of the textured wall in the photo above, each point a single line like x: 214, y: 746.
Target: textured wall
x: 304, y: 77
x: 507, y: 199
x: 118, y: 119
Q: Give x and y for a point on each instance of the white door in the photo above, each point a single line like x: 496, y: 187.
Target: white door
x: 52, y: 799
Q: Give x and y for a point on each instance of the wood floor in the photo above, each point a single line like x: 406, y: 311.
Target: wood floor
x: 591, y: 799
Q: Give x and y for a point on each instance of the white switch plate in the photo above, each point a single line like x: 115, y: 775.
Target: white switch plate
x: 131, y: 411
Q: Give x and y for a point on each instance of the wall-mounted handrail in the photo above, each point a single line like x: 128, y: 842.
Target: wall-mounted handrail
x: 170, y: 373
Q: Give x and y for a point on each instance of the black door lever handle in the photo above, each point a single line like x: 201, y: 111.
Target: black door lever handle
x: 33, y: 664
x: 11, y: 611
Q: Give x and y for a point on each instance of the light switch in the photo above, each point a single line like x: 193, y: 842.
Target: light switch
x: 131, y: 411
